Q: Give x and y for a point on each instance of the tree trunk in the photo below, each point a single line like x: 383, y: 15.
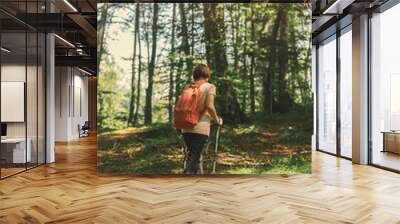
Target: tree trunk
x: 147, y: 42
x: 136, y: 116
x: 245, y: 75
x: 185, y: 48
x: 252, y: 66
x: 148, y: 116
x: 171, y: 72
x: 192, y: 34
x: 178, y: 80
x: 214, y: 33
x: 270, y: 44
x: 132, y: 98
x: 101, y: 33
x: 101, y: 36
x: 235, y: 36
x: 283, y: 101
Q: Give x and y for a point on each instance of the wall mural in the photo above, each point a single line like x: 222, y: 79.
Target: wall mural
x: 204, y: 88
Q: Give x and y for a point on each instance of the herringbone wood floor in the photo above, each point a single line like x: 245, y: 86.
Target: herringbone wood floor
x: 70, y: 191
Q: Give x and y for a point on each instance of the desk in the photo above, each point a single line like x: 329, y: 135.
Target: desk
x: 13, y: 150
x: 391, y: 141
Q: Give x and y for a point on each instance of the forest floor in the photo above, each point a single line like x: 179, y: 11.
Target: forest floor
x: 277, y: 144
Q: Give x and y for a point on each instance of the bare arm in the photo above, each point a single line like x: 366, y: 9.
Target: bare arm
x: 212, y: 110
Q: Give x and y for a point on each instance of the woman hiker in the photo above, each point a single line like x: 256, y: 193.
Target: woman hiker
x: 196, y: 135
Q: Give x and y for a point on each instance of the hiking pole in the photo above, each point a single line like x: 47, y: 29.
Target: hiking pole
x: 216, y: 149
x: 184, y: 150
x: 201, y: 162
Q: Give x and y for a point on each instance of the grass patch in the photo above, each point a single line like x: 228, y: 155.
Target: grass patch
x: 280, y: 145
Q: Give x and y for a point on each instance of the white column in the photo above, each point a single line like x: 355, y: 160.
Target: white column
x: 50, y: 98
x: 360, y: 90
x: 62, y: 103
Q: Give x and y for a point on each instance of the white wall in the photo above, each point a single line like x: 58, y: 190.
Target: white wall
x: 71, y: 102
x: 62, y: 82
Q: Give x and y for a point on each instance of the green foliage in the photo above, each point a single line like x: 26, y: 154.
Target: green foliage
x: 278, y: 165
x: 112, y: 101
x: 247, y: 30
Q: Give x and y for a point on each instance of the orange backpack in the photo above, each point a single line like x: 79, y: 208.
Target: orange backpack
x: 187, y: 108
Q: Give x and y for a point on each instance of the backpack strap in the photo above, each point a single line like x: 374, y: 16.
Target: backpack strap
x: 195, y: 85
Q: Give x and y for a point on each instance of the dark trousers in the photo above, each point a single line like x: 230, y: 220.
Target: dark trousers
x: 195, y: 144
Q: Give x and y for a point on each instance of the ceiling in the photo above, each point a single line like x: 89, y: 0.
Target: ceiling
x: 330, y: 15
x: 73, y: 21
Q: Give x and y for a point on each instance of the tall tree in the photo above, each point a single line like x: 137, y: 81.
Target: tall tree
x: 102, y: 33
x: 283, y: 97
x: 132, y: 97
x: 214, y: 35
x: 172, y: 68
x: 178, y: 79
x: 192, y: 30
x: 252, y: 64
x: 270, y: 43
x: 136, y: 116
x: 234, y: 19
x: 148, y: 116
x: 245, y: 75
x: 185, y: 48
x: 146, y: 36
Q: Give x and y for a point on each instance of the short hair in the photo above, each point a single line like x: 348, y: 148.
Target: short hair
x: 201, y: 71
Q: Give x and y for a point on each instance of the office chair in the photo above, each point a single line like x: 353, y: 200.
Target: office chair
x: 84, y: 130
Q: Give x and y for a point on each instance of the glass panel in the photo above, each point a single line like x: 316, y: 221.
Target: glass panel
x: 41, y: 99
x: 32, y: 89
x: 31, y: 98
x: 314, y: 86
x: 23, y: 89
x: 385, y: 83
x: 327, y: 96
x: 13, y: 87
x: 346, y: 94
